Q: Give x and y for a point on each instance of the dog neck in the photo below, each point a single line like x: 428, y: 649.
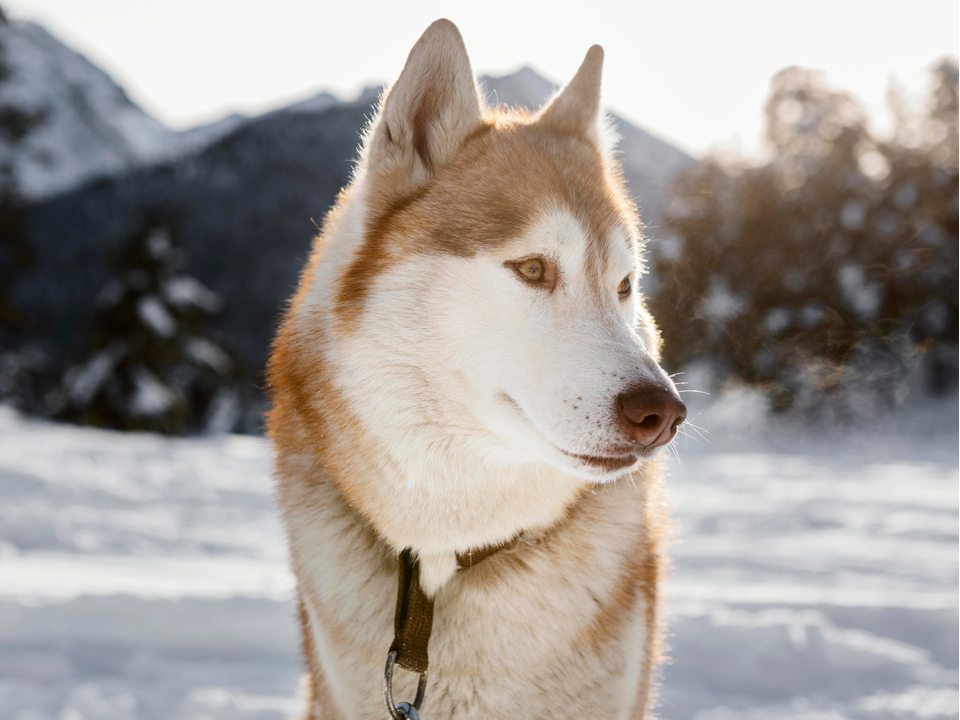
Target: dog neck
x: 447, y: 504
x: 452, y: 500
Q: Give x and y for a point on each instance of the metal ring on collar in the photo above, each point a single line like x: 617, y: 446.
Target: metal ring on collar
x: 403, y: 711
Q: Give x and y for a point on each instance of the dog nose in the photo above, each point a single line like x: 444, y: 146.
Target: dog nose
x: 651, y: 414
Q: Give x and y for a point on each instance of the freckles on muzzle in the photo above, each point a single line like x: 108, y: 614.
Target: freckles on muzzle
x: 650, y: 414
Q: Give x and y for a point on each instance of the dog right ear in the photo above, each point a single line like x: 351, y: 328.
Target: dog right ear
x: 426, y: 114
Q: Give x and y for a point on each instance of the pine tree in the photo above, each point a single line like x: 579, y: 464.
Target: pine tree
x: 154, y: 363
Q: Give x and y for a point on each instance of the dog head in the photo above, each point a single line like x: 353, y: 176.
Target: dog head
x: 486, y: 304
x: 468, y: 349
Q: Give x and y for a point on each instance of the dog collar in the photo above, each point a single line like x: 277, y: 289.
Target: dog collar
x: 412, y: 624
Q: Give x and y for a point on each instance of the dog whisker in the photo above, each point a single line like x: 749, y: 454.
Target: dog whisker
x: 700, y: 431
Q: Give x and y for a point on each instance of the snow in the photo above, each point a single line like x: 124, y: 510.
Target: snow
x: 154, y: 315
x: 145, y: 577
x: 151, y: 397
x: 186, y: 293
x: 721, y: 303
x: 208, y: 353
x: 224, y: 411
x: 812, y: 581
x: 777, y: 320
x: 85, y: 382
x: 865, y: 298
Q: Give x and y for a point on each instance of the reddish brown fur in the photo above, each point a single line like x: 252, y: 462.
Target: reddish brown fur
x: 503, y: 176
x: 316, y: 420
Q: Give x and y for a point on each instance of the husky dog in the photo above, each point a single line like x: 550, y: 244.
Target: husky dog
x: 465, y: 365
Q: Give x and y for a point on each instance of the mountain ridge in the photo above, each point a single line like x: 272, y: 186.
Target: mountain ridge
x: 84, y: 124
x: 90, y: 128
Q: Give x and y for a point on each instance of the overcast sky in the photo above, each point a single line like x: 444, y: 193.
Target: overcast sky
x: 695, y: 73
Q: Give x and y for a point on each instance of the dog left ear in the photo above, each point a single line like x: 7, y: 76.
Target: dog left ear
x: 426, y: 114
x: 575, y: 110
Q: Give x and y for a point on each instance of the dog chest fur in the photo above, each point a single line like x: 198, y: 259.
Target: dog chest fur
x: 564, y: 622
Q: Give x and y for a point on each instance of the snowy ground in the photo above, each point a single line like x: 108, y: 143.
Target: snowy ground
x: 143, y: 577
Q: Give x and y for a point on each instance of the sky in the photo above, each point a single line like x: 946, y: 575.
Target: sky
x: 695, y: 73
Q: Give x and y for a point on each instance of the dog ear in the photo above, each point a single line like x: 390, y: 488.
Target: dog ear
x: 428, y: 111
x: 575, y: 110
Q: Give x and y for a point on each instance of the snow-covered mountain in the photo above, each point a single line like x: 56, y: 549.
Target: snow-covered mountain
x: 81, y: 123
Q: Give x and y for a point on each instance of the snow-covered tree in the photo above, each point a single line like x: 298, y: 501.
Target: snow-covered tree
x: 832, y: 264
x: 154, y: 363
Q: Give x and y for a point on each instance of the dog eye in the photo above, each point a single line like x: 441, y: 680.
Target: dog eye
x: 531, y: 270
x: 625, y: 287
x: 537, y: 271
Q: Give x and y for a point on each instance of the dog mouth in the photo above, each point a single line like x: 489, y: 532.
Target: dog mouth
x: 605, y: 463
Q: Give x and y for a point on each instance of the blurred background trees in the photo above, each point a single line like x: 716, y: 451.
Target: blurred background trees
x: 826, y: 276
x: 16, y: 124
x: 153, y: 362
x: 828, y: 273
x: 19, y: 369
